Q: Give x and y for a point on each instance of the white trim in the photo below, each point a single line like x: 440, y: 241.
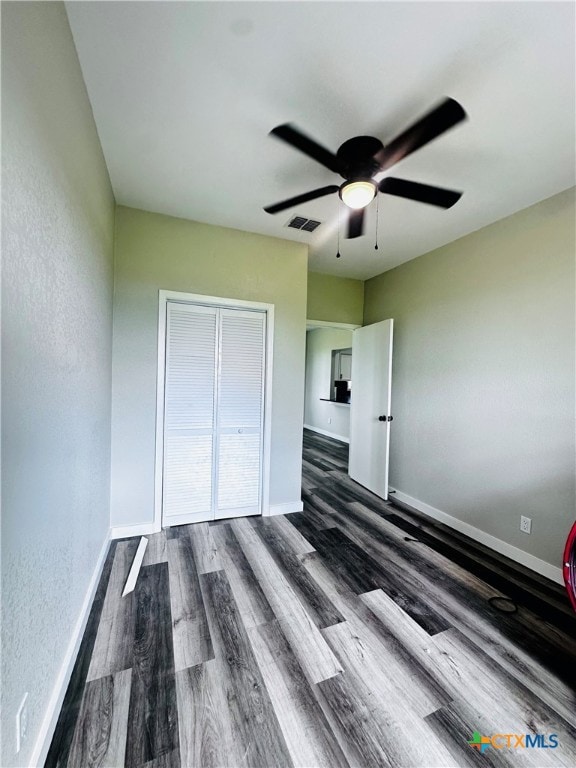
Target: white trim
x: 141, y: 529
x: 552, y: 572
x: 333, y: 435
x: 19, y: 722
x: 171, y: 521
x: 212, y: 301
x: 284, y: 509
x: 312, y: 324
x: 160, y: 377
x: 197, y: 298
x: 46, y: 733
x: 135, y: 567
x: 215, y: 468
x: 267, y: 440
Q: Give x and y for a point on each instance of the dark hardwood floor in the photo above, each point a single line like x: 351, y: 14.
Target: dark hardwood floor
x: 355, y: 633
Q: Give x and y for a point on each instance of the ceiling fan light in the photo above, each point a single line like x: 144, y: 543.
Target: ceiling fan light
x: 357, y: 194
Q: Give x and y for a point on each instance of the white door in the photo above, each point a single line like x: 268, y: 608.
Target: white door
x: 239, y: 413
x: 191, y: 360
x: 213, y: 413
x: 370, y: 406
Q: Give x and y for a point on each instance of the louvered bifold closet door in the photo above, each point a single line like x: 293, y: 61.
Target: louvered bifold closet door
x: 191, y: 358
x: 240, y: 413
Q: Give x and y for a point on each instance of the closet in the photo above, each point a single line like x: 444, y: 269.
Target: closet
x: 214, y: 377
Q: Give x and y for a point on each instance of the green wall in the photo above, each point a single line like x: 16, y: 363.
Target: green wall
x: 483, y: 376
x: 155, y: 252
x: 335, y: 299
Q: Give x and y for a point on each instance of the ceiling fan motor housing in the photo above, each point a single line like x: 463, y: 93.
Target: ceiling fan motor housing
x: 358, y: 157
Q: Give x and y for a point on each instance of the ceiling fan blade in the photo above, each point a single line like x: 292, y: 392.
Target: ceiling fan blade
x: 356, y: 223
x: 436, y: 122
x: 291, y: 135
x: 422, y: 193
x: 291, y: 202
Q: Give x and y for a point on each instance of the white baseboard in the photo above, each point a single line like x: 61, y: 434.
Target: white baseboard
x: 142, y: 529
x: 552, y: 572
x: 145, y: 529
x: 44, y: 738
x: 284, y: 509
x: 327, y: 434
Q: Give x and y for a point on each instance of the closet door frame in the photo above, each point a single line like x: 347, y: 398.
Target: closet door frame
x: 226, y: 303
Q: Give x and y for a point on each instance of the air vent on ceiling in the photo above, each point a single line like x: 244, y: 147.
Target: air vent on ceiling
x: 306, y: 225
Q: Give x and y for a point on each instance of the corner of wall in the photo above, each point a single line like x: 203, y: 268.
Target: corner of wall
x: 552, y: 572
x: 48, y: 726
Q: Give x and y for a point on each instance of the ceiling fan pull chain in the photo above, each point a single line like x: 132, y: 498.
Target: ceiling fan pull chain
x: 377, y: 216
x: 338, y: 249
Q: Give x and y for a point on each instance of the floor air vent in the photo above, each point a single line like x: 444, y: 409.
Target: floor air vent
x: 306, y: 225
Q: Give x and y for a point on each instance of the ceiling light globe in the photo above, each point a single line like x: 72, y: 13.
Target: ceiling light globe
x: 357, y: 194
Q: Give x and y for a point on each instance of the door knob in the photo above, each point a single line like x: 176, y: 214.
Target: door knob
x: 385, y: 418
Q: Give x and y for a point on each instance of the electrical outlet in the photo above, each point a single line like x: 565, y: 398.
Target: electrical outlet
x: 525, y: 524
x: 329, y: 421
x: 22, y: 723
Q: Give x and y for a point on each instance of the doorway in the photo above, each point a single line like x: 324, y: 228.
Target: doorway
x: 328, y: 380
x: 348, y: 394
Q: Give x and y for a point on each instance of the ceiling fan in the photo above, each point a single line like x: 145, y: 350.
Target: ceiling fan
x: 361, y: 159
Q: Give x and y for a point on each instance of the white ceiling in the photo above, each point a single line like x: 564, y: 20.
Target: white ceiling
x: 185, y: 93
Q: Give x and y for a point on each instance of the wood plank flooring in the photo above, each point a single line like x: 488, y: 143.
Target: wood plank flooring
x: 355, y: 633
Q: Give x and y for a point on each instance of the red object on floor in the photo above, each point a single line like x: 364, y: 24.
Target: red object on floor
x: 569, y: 566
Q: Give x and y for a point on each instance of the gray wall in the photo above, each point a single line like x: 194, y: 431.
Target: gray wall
x: 483, y: 376
x: 155, y: 251
x: 319, y: 345
x: 57, y: 241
